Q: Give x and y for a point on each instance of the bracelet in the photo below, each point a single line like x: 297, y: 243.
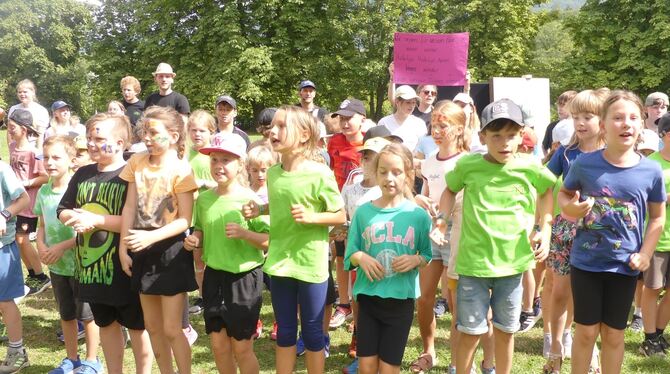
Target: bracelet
x: 263, y: 209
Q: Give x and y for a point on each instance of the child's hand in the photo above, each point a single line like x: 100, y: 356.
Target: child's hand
x: 372, y: 268
x: 539, y: 245
x: 126, y: 263
x: 578, y: 209
x: 439, y: 233
x: 639, y: 261
x: 83, y: 221
x: 427, y: 204
x: 192, y: 242
x: 300, y: 214
x: 138, y: 240
x: 251, y: 210
x: 235, y: 231
x: 405, y: 263
x: 49, y: 256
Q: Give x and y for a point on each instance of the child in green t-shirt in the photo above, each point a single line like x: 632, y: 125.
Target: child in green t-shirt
x: 232, y: 251
x: 504, y: 192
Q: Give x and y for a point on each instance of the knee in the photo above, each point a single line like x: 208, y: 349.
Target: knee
x: 586, y: 334
x: 221, y: 346
x: 368, y: 366
x: 153, y: 327
x: 242, y: 348
x: 612, y: 337
x: 286, y: 335
x: 173, y: 331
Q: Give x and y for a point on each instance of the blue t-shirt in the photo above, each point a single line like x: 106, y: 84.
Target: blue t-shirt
x: 559, y: 164
x: 613, y: 229
x: 426, y: 145
x: 10, y: 189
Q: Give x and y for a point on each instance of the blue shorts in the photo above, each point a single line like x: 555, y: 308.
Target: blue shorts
x: 11, y: 275
x: 476, y: 295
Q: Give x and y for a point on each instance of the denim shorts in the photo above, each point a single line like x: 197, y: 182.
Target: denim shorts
x: 476, y: 295
x: 442, y: 252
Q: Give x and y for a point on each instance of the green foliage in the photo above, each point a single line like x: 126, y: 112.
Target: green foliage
x: 551, y: 55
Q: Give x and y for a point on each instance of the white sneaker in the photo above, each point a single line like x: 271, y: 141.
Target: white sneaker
x: 546, y: 346
x: 19, y: 299
x: 567, y: 344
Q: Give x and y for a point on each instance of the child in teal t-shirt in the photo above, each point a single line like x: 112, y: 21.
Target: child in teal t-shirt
x: 388, y: 242
x: 497, y: 242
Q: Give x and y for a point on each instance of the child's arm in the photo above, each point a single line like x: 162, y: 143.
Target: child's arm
x: 655, y: 221
x: 137, y: 240
x: 372, y: 268
x: 127, y: 221
x: 21, y: 203
x: 568, y: 201
x: 193, y: 241
x: 257, y: 239
x: 540, y: 239
x: 49, y: 255
x: 439, y: 231
x: 301, y: 215
x: 83, y: 221
x: 36, y: 182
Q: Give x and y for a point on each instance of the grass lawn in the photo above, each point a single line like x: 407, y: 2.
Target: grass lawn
x: 40, y: 319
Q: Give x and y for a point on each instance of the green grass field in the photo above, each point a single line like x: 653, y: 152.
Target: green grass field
x: 40, y: 319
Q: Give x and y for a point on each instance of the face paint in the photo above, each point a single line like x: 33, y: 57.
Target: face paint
x: 97, y: 130
x: 160, y: 139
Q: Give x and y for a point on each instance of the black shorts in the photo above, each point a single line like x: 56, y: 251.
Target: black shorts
x: 232, y: 301
x: 165, y: 268
x: 26, y: 225
x: 602, y: 297
x: 69, y: 307
x: 339, y: 248
x: 129, y: 315
x: 382, y: 327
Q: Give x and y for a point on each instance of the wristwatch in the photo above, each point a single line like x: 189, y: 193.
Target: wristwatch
x: 6, y: 214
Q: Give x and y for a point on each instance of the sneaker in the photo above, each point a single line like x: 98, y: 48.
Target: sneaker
x: 567, y: 344
x: 299, y: 346
x: 441, y: 307
x: 67, y: 366
x: 636, y: 323
x: 18, y: 300
x: 14, y: 362
x: 259, y: 330
x: 487, y: 370
x: 81, y: 333
x: 652, y: 347
x: 341, y: 314
x: 527, y: 321
x: 352, y: 346
x: 546, y: 346
x: 191, y: 335
x: 326, y: 347
x: 664, y: 343
x: 37, y: 285
x: 197, y: 306
x: 352, y: 368
x: 91, y: 367
x: 537, y: 308
x: 273, y: 334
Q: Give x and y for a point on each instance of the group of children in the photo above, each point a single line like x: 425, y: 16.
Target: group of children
x: 126, y: 241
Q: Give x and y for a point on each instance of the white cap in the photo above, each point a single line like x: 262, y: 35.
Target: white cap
x: 563, y: 131
x: 463, y: 97
x: 405, y: 92
x: 649, y: 140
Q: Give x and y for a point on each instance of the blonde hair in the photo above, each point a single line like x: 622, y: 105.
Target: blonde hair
x: 27, y: 83
x: 118, y: 104
x: 260, y: 155
x: 200, y: 117
x: 130, y: 80
x: 121, y: 127
x: 66, y: 141
x: 297, y: 120
x: 397, y: 149
x: 587, y: 101
x: 621, y: 95
x: 173, y: 122
x: 446, y: 111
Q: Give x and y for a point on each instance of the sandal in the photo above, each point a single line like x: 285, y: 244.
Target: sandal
x: 423, y: 364
x: 553, y: 365
x: 594, y: 368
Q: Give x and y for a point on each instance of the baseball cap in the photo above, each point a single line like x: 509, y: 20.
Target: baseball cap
x: 405, y: 92
x: 164, y: 68
x: 80, y: 142
x: 663, y: 124
x: 58, y: 104
x: 502, y: 109
x: 349, y: 107
x: 226, y: 99
x: 563, y: 131
x: 374, y: 144
x: 649, y: 140
x: 306, y: 83
x: 380, y: 131
x: 23, y: 117
x: 463, y: 97
x: 227, y: 143
x: 655, y: 97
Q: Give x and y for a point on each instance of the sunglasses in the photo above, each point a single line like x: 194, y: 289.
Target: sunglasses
x: 428, y: 92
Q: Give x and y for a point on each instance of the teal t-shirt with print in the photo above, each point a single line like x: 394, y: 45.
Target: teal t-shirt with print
x: 55, y: 231
x: 386, y: 233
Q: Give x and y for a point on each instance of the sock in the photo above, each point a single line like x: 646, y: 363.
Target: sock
x: 15, y: 346
x: 346, y: 306
x: 566, y: 332
x: 651, y: 336
x: 659, y: 332
x: 638, y: 312
x: 31, y: 273
x: 547, y: 334
x: 41, y: 276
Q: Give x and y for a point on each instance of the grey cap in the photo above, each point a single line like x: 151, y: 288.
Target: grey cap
x: 226, y: 99
x: 502, y: 109
x: 349, y: 107
x: 23, y: 117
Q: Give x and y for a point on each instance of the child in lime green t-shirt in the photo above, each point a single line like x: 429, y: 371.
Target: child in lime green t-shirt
x: 504, y: 191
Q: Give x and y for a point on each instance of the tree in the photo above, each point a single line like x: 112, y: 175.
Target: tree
x: 551, y: 55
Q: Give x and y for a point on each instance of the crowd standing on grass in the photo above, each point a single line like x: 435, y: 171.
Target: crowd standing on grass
x: 149, y: 201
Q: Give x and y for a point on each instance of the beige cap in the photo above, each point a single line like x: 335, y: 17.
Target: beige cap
x: 405, y: 92
x: 164, y: 68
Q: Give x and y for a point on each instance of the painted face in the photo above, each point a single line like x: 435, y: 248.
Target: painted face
x: 129, y: 93
x: 441, y: 130
x: 62, y: 115
x: 405, y: 106
x: 307, y: 95
x: 82, y: 159
x: 655, y: 112
x: 258, y: 174
x: 351, y: 126
x: 199, y: 134
x: 622, y: 125
x: 102, y: 144
x: 224, y: 167
x: 225, y: 113
x: 164, y: 81
x: 156, y: 137
x: 587, y: 125
x: 502, y: 144
x: 56, y: 160
x: 391, y: 175
x: 25, y: 94
x: 428, y: 94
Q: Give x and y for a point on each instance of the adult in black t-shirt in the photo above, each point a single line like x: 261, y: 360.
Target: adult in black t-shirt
x: 164, y: 77
x: 130, y: 89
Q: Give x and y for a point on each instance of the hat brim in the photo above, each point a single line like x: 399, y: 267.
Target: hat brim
x: 164, y: 72
x: 343, y: 112
x: 505, y: 118
x: 227, y: 102
x: 408, y: 97
x: 209, y: 150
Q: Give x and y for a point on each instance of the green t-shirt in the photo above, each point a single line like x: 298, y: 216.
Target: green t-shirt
x: 664, y: 241
x: 46, y: 202
x: 200, y: 165
x: 385, y: 233
x: 299, y: 250
x: 498, y: 213
x: 212, y: 213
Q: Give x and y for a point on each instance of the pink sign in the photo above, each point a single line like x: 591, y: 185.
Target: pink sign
x: 440, y: 59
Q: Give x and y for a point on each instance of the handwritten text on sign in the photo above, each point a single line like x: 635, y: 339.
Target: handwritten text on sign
x: 440, y: 59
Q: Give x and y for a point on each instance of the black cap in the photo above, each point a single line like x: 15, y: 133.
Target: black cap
x: 349, y: 107
x: 381, y: 132
x: 226, y: 99
x: 663, y: 124
x: 306, y: 83
x: 23, y: 117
